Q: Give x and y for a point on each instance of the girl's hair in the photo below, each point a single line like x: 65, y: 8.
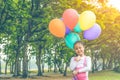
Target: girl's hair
x: 78, y: 42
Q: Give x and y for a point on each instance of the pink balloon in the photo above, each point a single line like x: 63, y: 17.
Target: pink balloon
x: 70, y: 18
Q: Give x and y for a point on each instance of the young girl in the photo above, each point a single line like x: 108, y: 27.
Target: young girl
x: 80, y: 64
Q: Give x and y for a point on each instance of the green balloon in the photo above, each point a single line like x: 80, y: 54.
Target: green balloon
x: 77, y: 28
x: 70, y: 39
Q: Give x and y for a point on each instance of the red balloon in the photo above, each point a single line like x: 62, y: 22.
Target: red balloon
x: 70, y: 18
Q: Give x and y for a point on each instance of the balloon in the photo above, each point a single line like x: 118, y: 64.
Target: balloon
x: 61, y: 19
x: 70, y: 39
x: 92, y: 33
x: 57, y: 28
x: 77, y: 28
x: 67, y: 30
x: 87, y: 19
x: 70, y: 18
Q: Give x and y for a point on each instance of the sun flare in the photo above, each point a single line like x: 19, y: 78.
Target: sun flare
x: 114, y: 3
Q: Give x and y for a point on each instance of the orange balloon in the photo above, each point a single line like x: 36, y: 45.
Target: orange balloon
x: 70, y: 18
x: 57, y: 28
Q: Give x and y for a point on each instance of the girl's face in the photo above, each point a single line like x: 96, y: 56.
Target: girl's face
x: 79, y: 49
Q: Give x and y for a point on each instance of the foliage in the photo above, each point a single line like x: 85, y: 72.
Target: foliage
x: 26, y: 22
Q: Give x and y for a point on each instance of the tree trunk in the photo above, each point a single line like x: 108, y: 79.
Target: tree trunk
x: 65, y: 71
x: 43, y: 67
x: 60, y: 67
x: 103, y: 66
x: 49, y: 61
x: 11, y: 67
x: 6, y: 67
x: 43, y: 63
x: 55, y: 64
x: 25, y: 62
x: 16, y: 72
x: 95, y: 62
x: 93, y: 70
x: 0, y: 66
x: 110, y: 65
x: 19, y: 66
x: 39, y: 62
x: 48, y: 68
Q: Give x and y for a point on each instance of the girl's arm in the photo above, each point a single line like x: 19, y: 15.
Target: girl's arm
x: 88, y: 65
x: 73, y: 64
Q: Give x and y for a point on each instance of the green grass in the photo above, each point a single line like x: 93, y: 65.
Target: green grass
x: 104, y: 75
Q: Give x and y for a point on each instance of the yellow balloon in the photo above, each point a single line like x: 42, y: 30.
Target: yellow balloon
x: 87, y: 19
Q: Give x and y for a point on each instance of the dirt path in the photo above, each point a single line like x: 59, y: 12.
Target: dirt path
x: 34, y: 77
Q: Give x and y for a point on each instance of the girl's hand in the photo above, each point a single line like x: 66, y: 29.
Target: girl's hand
x: 75, y: 72
x: 77, y: 58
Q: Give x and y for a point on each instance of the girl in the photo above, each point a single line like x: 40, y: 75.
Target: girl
x: 80, y: 64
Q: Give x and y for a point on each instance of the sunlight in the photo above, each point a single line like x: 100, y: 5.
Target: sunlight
x: 114, y: 3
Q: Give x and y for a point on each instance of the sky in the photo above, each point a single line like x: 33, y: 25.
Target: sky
x: 115, y: 4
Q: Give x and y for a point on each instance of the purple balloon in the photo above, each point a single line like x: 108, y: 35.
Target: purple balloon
x: 61, y: 19
x: 67, y: 30
x: 92, y: 33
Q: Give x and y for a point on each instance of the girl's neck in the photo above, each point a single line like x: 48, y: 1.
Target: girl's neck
x: 82, y: 55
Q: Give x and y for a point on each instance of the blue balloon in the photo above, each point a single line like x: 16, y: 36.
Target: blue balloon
x: 70, y: 39
x: 77, y: 28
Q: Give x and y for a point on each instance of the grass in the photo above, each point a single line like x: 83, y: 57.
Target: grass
x: 103, y: 75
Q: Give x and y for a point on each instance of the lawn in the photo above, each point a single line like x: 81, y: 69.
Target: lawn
x: 103, y: 75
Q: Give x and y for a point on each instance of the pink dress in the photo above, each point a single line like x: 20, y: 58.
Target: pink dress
x: 81, y: 76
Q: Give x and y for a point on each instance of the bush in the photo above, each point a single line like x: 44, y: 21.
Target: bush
x: 117, y: 69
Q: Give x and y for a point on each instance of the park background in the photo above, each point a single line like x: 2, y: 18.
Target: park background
x: 29, y: 51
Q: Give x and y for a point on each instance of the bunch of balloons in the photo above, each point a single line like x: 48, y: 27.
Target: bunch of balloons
x: 73, y: 23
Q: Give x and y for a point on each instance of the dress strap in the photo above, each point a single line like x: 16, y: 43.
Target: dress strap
x: 85, y: 61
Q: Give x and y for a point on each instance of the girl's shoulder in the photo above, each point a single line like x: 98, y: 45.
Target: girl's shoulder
x: 88, y: 57
x: 73, y: 58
